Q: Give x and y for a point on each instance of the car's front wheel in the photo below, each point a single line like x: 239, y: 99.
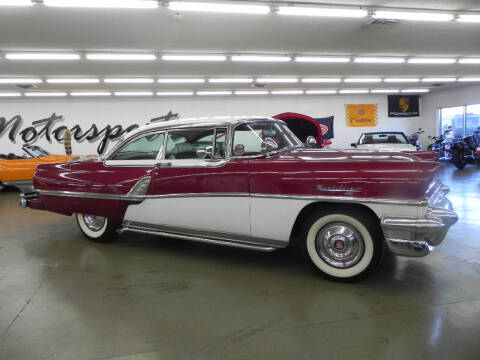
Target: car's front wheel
x: 96, y: 228
x: 343, y: 246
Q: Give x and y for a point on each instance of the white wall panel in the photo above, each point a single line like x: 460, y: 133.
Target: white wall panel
x: 128, y: 111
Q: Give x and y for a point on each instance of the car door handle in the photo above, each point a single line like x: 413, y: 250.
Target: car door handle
x: 163, y: 164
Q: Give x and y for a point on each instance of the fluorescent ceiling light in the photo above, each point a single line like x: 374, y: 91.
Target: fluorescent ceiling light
x: 16, y: 81
x: 379, y: 60
x: 175, y: 93
x: 181, y: 81
x: 251, y: 92
x: 407, y: 15
x: 401, y: 80
x: 91, y: 93
x: 439, y: 79
x: 415, y: 90
x: 322, y: 59
x: 230, y: 80
x: 10, y: 94
x: 73, y: 81
x: 133, y: 93
x: 45, y: 94
x: 321, y: 80
x: 362, y: 80
x: 320, y: 92
x: 287, y: 92
x: 469, y: 78
x: 468, y: 18
x: 118, y: 4
x: 384, y: 91
x: 353, y: 91
x: 321, y: 11
x: 121, y: 57
x: 219, y: 7
x: 128, y: 81
x: 15, y: 3
x: 213, y: 93
x: 432, y: 61
x: 42, y: 56
x: 276, y: 80
x: 261, y: 58
x: 194, y: 58
x: 469, y: 61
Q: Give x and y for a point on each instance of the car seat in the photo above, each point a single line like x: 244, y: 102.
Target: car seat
x: 368, y: 139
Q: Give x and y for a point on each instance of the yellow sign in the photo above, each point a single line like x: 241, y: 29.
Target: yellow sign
x: 361, y: 115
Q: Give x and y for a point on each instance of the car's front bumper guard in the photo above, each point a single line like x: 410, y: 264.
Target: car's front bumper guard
x: 408, y: 236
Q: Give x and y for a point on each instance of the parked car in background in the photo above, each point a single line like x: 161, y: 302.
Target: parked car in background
x: 391, y: 141
x: 252, y: 184
x: 17, y: 170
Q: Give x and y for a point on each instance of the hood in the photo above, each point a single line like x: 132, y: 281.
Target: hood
x: 388, y: 147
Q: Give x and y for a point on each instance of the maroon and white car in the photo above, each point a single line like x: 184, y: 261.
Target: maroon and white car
x: 252, y: 184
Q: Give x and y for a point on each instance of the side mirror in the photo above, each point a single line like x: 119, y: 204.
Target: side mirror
x: 205, y: 153
x: 353, y: 145
x: 268, y: 145
x: 311, y: 141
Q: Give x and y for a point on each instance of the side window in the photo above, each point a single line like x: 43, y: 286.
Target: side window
x: 144, y: 148
x: 246, y: 141
x: 183, y: 144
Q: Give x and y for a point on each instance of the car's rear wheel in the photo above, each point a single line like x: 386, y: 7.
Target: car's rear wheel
x: 96, y: 228
x: 343, y: 246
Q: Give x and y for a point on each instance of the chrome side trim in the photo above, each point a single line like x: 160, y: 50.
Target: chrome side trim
x: 140, y: 228
x: 270, y: 196
x: 90, y: 195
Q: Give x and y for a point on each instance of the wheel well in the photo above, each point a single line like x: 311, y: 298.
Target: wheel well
x: 343, y: 207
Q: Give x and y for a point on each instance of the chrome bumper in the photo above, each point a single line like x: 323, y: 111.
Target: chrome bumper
x: 417, y: 237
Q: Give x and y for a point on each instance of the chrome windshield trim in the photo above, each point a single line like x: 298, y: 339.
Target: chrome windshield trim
x: 269, y: 196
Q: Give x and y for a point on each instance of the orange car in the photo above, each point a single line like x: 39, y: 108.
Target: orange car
x: 18, y: 171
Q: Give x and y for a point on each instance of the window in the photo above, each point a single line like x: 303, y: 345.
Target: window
x: 183, y: 144
x: 472, y: 118
x: 143, y: 148
x: 248, y: 138
x: 453, y: 118
x: 383, y: 138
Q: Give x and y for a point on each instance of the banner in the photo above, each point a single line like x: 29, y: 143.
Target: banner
x: 326, y: 124
x: 403, y: 105
x: 361, y: 115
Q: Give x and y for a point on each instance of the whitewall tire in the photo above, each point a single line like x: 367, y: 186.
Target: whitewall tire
x: 343, y: 246
x: 96, y: 228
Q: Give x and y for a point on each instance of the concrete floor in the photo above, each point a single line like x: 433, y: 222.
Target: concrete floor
x: 62, y: 297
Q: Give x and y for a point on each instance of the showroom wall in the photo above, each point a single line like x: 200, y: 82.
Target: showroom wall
x: 446, y: 98
x: 114, y: 111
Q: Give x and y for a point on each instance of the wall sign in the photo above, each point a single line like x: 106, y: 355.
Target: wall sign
x: 361, y: 115
x: 48, y: 128
x: 403, y: 105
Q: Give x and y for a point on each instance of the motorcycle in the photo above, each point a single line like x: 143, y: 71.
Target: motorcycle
x: 442, y: 144
x: 467, y: 150
x: 413, y: 139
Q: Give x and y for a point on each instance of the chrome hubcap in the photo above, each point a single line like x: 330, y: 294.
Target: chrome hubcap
x: 94, y: 223
x: 340, y: 245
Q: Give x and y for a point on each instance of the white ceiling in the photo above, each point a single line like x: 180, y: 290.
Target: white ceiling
x: 42, y: 28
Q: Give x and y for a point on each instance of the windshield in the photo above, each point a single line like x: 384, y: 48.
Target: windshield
x: 248, y: 138
x: 35, y: 151
x: 383, y: 138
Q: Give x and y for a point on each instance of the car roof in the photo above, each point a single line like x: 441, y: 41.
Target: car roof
x: 199, y: 122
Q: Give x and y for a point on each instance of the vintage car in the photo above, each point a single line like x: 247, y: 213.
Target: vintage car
x: 391, y: 141
x: 17, y: 171
x: 252, y: 184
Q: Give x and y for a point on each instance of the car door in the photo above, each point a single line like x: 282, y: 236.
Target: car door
x: 194, y: 196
